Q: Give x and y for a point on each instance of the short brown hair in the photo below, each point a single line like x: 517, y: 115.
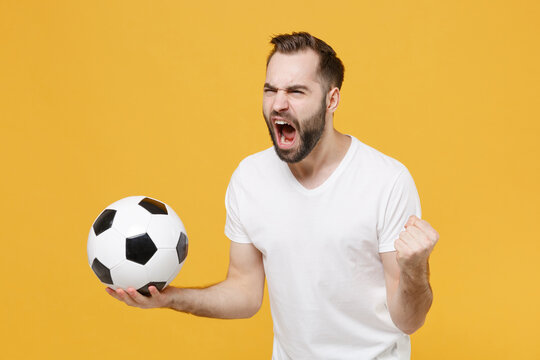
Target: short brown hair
x: 331, y: 68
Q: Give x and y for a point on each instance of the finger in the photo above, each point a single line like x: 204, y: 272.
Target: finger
x: 112, y: 293
x: 136, y: 296
x: 115, y: 294
x: 428, y: 229
x: 159, y: 298
x: 154, y: 292
x: 125, y: 297
x: 402, y: 242
x: 409, y: 240
x: 411, y: 221
x: 400, y: 246
x: 420, y: 238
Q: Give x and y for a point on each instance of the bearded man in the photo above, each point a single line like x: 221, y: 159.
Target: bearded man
x: 332, y: 224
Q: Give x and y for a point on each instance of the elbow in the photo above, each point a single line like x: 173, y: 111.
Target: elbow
x: 411, y: 330
x: 248, y: 313
x: 255, y: 303
x: 244, y: 313
x: 248, y: 310
x: 407, y: 325
x: 254, y: 310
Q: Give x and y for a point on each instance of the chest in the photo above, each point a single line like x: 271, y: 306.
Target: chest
x: 339, y: 224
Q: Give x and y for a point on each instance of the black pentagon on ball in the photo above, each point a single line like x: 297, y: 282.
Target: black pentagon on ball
x: 182, y: 247
x: 104, y: 221
x: 103, y: 273
x: 146, y: 292
x: 153, y: 206
x: 140, y: 248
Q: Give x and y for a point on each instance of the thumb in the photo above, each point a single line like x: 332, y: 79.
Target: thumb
x: 412, y: 219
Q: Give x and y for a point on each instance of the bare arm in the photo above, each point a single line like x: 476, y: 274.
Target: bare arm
x: 409, y: 296
x: 406, y: 272
x: 240, y: 295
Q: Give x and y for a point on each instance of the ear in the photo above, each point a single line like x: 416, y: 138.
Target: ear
x: 332, y: 99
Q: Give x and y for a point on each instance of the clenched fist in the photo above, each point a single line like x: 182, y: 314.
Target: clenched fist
x: 415, y: 245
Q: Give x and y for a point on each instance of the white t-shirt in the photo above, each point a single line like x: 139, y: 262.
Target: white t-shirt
x: 321, y: 250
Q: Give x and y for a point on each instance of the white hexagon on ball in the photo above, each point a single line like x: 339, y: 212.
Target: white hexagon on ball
x: 132, y: 220
x: 129, y: 274
x: 110, y: 248
x: 164, y: 232
x: 162, y: 265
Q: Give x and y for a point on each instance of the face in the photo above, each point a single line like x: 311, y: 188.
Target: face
x: 294, y: 105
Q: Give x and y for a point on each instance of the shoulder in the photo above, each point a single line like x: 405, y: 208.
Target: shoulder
x: 260, y: 158
x: 258, y: 164
x: 376, y: 162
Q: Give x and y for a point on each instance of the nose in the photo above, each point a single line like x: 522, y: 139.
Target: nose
x: 281, y: 102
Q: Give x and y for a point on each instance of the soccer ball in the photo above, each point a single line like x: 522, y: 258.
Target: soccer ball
x: 137, y: 242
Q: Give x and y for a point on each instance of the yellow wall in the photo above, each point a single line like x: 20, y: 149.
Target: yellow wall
x: 104, y: 99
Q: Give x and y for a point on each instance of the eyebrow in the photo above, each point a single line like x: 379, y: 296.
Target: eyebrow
x: 289, y: 88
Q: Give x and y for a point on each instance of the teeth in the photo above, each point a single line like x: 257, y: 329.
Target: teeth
x: 281, y: 122
x: 283, y: 140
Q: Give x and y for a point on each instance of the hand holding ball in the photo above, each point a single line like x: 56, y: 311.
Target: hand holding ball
x: 137, y: 242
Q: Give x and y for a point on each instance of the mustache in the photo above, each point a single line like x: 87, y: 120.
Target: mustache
x: 286, y: 116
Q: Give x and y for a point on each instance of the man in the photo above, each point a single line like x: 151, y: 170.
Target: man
x: 321, y: 216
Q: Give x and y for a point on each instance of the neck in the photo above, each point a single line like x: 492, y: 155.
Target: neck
x: 323, y: 159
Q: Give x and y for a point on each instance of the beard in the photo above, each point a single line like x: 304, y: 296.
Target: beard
x: 308, y: 134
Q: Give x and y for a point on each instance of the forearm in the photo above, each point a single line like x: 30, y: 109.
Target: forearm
x: 412, y: 300
x: 224, y: 300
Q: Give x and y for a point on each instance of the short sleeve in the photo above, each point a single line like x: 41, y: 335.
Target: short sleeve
x: 402, y: 203
x: 234, y: 229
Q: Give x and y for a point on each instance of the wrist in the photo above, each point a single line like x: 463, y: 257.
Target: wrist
x: 417, y: 275
x: 173, y: 300
x: 420, y: 269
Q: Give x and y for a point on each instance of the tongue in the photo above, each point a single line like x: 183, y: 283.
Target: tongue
x: 288, y: 131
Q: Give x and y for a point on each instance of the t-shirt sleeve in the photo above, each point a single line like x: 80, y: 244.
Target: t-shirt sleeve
x: 402, y: 203
x: 234, y: 229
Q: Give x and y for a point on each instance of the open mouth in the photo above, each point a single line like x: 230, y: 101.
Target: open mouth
x: 285, y: 133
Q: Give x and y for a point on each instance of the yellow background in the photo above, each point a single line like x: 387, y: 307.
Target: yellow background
x: 104, y: 99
